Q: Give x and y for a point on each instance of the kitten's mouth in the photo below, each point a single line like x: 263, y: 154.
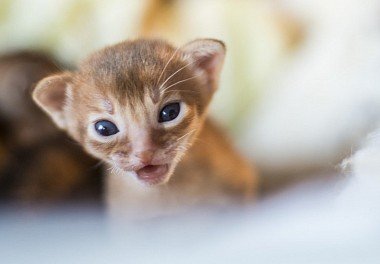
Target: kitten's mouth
x: 152, y: 174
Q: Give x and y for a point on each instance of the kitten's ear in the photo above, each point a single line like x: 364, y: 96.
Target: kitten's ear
x: 51, y: 94
x: 207, y: 56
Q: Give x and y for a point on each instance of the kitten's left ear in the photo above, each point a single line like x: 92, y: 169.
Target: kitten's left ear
x: 52, y: 94
x: 207, y: 56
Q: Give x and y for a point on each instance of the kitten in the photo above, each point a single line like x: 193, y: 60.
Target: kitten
x: 38, y: 163
x: 141, y: 107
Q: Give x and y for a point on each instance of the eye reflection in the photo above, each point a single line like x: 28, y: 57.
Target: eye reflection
x: 106, y: 128
x: 169, y: 112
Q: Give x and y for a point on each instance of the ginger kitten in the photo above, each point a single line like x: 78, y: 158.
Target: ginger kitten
x: 140, y: 106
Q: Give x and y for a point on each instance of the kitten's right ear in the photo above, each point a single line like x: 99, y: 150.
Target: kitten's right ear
x: 207, y: 56
x: 51, y: 94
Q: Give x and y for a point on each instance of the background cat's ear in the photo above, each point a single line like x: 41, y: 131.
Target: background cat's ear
x: 51, y: 94
x: 208, y: 57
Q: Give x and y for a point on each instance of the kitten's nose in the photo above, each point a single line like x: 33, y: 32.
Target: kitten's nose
x: 145, y: 156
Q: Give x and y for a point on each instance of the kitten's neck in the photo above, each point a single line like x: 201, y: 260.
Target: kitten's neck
x: 127, y: 197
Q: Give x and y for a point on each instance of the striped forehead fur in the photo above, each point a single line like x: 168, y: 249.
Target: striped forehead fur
x: 130, y: 70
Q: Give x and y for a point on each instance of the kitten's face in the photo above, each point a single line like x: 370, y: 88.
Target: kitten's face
x: 137, y: 105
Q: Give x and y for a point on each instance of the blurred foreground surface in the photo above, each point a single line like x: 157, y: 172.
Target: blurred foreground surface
x: 308, y: 224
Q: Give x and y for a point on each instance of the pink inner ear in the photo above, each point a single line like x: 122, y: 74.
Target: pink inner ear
x: 208, y: 56
x: 50, y: 93
x: 54, y: 97
x: 210, y: 64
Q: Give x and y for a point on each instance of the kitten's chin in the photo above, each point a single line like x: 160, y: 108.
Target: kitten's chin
x: 153, y: 174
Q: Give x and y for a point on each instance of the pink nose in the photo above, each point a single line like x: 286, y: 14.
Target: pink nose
x: 145, y: 156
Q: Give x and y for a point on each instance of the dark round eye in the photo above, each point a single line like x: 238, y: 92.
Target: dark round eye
x: 106, y: 128
x: 169, y: 112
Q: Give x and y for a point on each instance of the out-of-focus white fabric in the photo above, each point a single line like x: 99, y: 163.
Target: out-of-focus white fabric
x: 327, y: 97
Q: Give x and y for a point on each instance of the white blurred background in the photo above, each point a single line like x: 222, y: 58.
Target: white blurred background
x: 300, y: 93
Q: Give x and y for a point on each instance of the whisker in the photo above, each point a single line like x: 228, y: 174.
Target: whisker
x: 177, y: 71
x: 186, y: 134
x: 98, y: 164
x: 112, y: 169
x: 166, y: 65
x: 115, y: 170
x: 183, y: 147
x: 185, y: 91
x: 187, y: 79
x: 119, y: 171
x: 202, y: 141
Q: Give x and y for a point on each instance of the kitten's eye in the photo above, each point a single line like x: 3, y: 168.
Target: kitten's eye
x: 106, y: 128
x: 169, y: 112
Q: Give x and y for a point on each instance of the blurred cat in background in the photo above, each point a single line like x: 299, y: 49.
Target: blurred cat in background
x: 38, y: 164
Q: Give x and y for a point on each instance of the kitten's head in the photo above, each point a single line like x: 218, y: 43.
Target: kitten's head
x: 137, y: 105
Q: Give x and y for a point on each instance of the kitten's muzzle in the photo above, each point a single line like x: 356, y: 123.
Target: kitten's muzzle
x: 153, y: 174
x: 151, y: 169
x: 145, y: 157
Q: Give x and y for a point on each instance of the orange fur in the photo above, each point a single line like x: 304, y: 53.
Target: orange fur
x: 128, y: 84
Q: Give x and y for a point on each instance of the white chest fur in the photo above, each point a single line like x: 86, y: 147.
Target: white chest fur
x: 127, y: 197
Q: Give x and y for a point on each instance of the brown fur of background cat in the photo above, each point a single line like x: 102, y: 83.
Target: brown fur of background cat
x: 126, y: 85
x: 38, y: 164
